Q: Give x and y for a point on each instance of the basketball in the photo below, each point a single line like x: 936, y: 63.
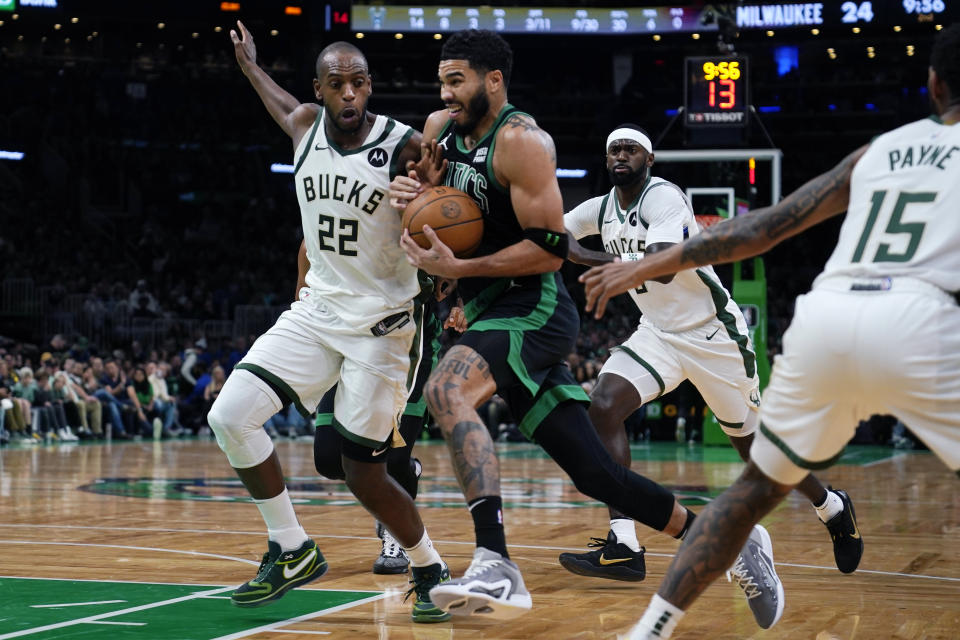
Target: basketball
x: 451, y: 213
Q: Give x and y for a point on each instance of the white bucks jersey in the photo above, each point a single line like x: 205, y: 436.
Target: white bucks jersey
x: 661, y: 213
x: 904, y: 213
x: 351, y: 232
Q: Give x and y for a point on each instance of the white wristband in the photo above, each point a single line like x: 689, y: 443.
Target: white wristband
x: 631, y: 257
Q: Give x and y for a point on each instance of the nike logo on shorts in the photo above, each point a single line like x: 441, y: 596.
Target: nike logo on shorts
x: 710, y: 337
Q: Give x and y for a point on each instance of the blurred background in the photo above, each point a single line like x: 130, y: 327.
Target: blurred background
x: 146, y: 209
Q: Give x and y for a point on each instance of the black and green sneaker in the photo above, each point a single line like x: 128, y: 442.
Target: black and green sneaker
x: 424, y: 579
x: 279, y: 572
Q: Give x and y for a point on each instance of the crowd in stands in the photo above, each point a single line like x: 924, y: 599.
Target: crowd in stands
x: 69, y: 392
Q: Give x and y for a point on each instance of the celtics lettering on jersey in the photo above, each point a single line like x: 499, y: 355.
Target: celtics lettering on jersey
x: 466, y: 178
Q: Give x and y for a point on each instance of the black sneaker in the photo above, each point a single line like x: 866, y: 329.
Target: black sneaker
x: 612, y: 560
x: 424, y: 579
x: 847, y: 543
x: 279, y: 572
x: 392, y: 558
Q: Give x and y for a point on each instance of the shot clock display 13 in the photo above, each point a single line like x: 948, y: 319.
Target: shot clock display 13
x: 716, y: 91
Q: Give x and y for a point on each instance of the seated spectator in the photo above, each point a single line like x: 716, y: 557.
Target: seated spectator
x: 111, y: 391
x: 164, y: 403
x: 141, y: 396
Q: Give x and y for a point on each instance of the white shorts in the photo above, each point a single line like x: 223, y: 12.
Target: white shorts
x: 851, y: 354
x: 310, y: 348
x: 716, y: 357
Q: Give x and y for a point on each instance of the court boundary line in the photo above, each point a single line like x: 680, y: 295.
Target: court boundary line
x: 340, y: 537
x: 108, y: 614
x: 172, y: 584
x: 96, y: 619
x: 309, y: 616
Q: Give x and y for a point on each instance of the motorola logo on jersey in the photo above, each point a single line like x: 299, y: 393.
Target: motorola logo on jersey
x: 377, y: 157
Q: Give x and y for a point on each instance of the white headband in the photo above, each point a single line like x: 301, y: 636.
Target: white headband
x: 629, y: 134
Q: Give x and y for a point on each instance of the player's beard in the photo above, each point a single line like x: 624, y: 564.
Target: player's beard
x: 627, y: 179
x: 477, y: 108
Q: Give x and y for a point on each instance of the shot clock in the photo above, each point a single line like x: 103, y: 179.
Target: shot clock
x: 716, y: 91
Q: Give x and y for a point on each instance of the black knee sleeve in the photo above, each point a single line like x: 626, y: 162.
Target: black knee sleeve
x: 568, y: 436
x: 399, y: 461
x: 327, y: 452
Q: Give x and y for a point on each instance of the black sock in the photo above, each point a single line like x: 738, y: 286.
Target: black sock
x: 487, y: 515
x: 686, y: 525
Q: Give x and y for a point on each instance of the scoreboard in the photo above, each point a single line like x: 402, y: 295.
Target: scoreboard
x: 716, y: 91
x: 649, y: 20
x: 527, y: 19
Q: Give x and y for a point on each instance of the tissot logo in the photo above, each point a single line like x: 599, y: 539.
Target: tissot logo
x: 377, y: 157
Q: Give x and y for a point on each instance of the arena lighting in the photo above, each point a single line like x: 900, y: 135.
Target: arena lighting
x: 815, y: 32
x: 277, y: 167
x: 229, y: 6
x: 292, y: 11
x: 437, y: 36
x: 359, y: 35
x: 656, y: 37
x: 11, y: 155
x: 46, y: 4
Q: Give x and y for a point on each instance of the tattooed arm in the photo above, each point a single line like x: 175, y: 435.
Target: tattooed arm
x: 742, y: 237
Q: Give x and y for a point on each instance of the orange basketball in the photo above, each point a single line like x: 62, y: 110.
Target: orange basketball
x: 451, y: 213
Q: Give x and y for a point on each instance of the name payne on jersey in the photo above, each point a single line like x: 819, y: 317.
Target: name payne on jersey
x: 926, y: 154
x: 323, y: 188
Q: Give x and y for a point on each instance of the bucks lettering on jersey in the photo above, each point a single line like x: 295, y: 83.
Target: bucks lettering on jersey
x: 350, y: 230
x: 661, y: 213
x: 471, y: 171
x: 904, y: 199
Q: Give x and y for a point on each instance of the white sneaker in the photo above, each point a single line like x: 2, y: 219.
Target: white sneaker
x: 754, y: 573
x: 492, y: 587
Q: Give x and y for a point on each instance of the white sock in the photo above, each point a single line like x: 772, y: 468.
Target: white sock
x: 282, y: 524
x: 830, y: 507
x: 423, y: 554
x: 626, y: 532
x: 658, y: 621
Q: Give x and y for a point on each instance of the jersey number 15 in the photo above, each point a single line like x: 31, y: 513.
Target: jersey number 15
x: 895, y: 226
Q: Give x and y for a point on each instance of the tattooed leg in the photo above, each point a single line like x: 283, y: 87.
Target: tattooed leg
x: 718, y: 534
x: 461, y: 382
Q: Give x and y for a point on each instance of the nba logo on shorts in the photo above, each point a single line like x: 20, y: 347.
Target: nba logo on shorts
x: 377, y: 157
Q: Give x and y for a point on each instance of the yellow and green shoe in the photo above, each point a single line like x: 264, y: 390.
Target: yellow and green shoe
x: 279, y: 572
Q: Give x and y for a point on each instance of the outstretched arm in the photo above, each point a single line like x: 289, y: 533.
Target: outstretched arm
x: 581, y: 255
x: 282, y: 106
x: 742, y: 237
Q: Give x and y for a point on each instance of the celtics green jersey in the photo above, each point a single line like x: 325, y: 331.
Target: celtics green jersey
x: 471, y: 171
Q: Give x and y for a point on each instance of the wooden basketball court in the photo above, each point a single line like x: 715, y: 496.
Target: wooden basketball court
x: 146, y: 540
